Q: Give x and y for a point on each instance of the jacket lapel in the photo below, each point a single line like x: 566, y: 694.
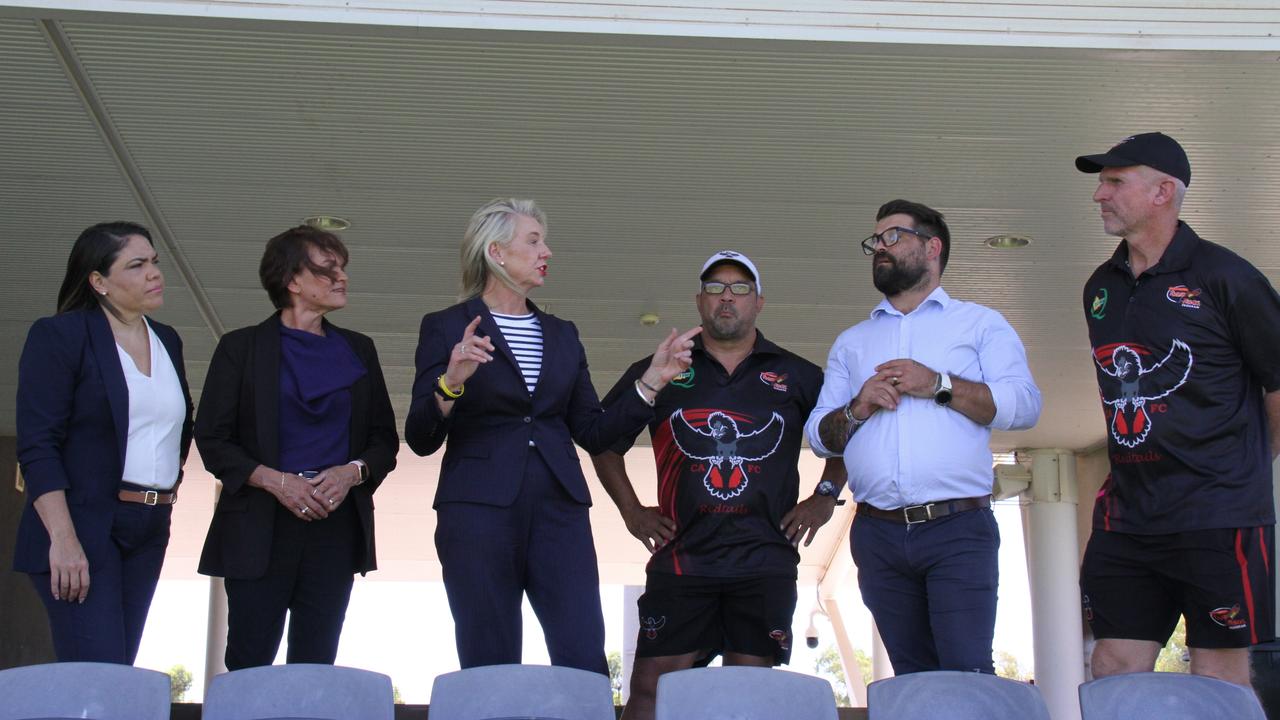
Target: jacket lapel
x: 108, y: 357
x: 550, y: 345
x: 489, y: 327
x: 266, y: 388
x: 359, y: 396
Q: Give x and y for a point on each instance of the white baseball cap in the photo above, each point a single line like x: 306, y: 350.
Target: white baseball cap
x: 733, y: 257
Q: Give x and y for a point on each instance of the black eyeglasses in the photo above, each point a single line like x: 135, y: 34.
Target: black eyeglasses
x: 889, y: 238
x: 713, y: 287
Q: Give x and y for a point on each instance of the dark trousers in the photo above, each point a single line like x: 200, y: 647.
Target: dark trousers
x: 541, y: 545
x: 310, y: 575
x: 107, y: 626
x: 931, y: 588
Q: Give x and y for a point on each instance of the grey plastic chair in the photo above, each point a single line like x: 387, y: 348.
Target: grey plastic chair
x: 101, y: 691
x: 307, y: 692
x: 954, y: 695
x: 1166, y: 696
x: 521, y: 691
x: 743, y: 693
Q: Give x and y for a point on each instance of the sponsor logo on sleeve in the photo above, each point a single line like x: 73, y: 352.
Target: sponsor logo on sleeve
x: 1099, y: 308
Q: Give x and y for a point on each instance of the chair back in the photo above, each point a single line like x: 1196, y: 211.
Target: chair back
x: 954, y: 695
x: 1166, y: 696
x: 304, y: 691
x: 521, y: 691
x: 743, y: 693
x: 101, y: 691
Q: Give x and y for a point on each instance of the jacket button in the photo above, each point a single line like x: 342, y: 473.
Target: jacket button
x: 528, y: 419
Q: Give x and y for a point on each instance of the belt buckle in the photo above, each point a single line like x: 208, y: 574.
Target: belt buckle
x: 150, y: 497
x: 928, y: 513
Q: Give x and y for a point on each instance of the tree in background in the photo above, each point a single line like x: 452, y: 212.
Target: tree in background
x: 395, y: 695
x: 829, y: 666
x: 615, y: 676
x: 1008, y: 666
x: 1173, y: 657
x: 179, y: 683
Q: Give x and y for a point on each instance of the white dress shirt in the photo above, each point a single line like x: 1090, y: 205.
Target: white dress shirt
x: 924, y: 452
x: 156, y: 412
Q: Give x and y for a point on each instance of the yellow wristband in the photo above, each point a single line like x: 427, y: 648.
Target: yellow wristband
x: 448, y: 392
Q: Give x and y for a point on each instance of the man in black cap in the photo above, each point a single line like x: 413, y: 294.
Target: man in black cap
x: 726, y: 437
x: 1185, y: 337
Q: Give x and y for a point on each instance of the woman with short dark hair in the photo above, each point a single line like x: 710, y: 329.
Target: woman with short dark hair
x: 104, y: 423
x: 296, y: 422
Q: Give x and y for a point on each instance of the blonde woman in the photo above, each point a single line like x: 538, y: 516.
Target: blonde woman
x: 507, y: 386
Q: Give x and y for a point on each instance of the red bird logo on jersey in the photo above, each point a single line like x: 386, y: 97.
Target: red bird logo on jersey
x: 1127, y: 386
x: 725, y: 448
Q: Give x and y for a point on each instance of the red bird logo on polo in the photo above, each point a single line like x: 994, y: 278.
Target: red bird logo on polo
x: 721, y: 443
x: 1127, y: 385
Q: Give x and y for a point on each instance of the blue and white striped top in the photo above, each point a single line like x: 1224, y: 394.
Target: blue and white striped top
x: 523, y: 334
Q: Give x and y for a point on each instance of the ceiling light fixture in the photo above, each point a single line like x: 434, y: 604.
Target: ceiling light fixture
x: 1004, y: 242
x: 328, y: 223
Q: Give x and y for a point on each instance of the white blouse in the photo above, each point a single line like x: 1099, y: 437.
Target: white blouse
x: 156, y: 412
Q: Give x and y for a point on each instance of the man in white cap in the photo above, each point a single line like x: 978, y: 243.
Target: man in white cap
x: 726, y: 437
x: 1185, y: 337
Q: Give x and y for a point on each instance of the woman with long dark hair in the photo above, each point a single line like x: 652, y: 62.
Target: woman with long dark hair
x: 104, y: 423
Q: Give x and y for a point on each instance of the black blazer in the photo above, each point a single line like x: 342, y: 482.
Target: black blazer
x: 238, y: 429
x: 73, y: 422
x: 492, y: 424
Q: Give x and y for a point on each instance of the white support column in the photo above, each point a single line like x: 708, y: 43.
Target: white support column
x: 833, y: 579
x: 1049, y: 517
x: 630, y: 631
x: 215, y: 646
x: 216, y: 642
x: 881, y: 668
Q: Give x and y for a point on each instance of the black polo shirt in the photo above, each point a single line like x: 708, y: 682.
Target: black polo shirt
x: 726, y: 448
x: 1184, y: 354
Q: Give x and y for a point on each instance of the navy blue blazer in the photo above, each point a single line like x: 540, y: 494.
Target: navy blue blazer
x: 492, y: 424
x: 238, y: 429
x: 73, y: 422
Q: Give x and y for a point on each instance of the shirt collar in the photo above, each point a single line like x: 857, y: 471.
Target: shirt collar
x: 762, y: 346
x: 938, y: 297
x: 1176, y: 257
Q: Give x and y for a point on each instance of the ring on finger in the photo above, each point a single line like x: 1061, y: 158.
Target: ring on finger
x: 304, y: 510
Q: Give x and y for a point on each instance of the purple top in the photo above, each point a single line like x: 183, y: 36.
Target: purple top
x: 316, y: 375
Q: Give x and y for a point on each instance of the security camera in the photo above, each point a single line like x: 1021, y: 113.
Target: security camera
x: 811, y: 634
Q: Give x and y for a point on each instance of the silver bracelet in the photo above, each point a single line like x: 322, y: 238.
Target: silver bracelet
x: 644, y: 397
x: 854, y: 423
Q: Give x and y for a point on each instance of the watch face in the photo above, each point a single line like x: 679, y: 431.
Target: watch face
x: 826, y: 487
x: 942, y: 397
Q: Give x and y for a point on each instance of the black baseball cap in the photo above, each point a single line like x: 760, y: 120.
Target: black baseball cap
x: 1155, y: 150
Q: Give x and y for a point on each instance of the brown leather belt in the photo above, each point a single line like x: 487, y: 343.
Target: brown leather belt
x: 915, y: 514
x: 149, y: 497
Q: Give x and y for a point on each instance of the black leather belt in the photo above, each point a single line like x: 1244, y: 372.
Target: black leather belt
x: 914, y: 514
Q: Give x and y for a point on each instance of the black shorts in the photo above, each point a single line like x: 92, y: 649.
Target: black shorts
x: 1134, y: 587
x: 681, y: 614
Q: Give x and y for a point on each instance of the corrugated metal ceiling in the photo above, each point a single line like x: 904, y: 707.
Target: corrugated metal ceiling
x: 648, y: 154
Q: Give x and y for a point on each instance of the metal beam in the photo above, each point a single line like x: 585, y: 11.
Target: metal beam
x: 154, y: 218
